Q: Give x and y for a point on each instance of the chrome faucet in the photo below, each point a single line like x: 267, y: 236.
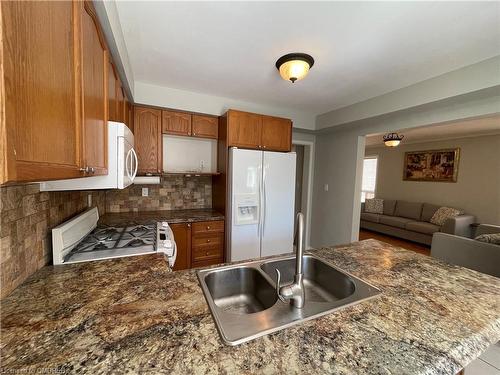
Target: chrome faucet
x: 294, y: 292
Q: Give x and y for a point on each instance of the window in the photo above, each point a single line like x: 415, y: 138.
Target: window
x: 369, y: 178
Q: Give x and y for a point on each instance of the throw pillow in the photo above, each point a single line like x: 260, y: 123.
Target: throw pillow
x: 493, y: 238
x: 374, y: 206
x: 444, y: 213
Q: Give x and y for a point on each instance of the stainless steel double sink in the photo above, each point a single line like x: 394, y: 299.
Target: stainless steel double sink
x: 244, y: 303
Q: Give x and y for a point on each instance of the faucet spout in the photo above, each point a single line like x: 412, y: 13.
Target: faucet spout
x: 295, y: 292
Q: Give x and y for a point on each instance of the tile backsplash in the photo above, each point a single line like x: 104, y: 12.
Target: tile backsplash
x: 27, y: 217
x: 173, y: 193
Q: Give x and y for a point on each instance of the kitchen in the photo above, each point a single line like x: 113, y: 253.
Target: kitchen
x: 118, y: 211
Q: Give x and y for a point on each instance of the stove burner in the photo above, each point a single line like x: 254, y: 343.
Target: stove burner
x: 135, y: 243
x: 107, y: 234
x: 139, y: 231
x: 100, y: 246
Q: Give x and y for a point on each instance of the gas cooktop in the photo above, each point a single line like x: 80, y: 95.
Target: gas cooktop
x: 106, y: 241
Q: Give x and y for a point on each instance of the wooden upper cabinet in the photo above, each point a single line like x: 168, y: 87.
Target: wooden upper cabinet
x: 276, y: 134
x: 244, y: 129
x: 112, y: 91
x: 261, y: 132
x: 40, y: 134
x: 177, y: 123
x: 130, y: 115
x: 94, y: 68
x: 205, y: 126
x: 120, y: 101
x: 148, y: 139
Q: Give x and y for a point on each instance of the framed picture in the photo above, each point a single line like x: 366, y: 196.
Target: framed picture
x: 432, y: 165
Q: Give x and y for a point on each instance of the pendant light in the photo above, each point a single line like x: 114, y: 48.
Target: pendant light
x: 294, y: 66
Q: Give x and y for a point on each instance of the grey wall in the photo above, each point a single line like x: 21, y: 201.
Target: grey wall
x: 339, y: 152
x: 477, y: 190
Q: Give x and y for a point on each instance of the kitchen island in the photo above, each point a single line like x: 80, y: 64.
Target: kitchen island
x: 134, y: 315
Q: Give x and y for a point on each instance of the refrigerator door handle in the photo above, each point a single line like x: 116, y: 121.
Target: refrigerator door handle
x: 260, y: 210
x: 264, y: 202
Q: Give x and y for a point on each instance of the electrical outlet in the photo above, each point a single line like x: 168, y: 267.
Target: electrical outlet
x: 145, y: 192
x: 89, y: 200
x: 326, y: 187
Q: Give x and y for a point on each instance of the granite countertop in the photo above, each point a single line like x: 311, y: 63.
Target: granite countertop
x: 134, y: 315
x: 171, y: 216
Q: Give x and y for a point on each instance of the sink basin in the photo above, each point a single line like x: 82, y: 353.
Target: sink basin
x: 322, y: 282
x: 241, y: 290
x: 243, y: 301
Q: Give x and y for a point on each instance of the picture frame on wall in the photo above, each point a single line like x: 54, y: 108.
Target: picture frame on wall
x: 432, y: 165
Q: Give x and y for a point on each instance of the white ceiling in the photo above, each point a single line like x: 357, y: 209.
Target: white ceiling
x: 459, y: 129
x: 362, y: 49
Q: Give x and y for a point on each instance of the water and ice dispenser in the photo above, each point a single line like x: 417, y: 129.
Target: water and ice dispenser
x: 246, y: 209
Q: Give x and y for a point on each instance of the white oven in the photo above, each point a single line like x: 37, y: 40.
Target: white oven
x: 122, y: 165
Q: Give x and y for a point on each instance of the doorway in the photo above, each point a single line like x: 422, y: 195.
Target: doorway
x: 304, y: 151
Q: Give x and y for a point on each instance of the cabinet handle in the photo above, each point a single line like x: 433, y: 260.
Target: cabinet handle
x: 206, y: 253
x: 84, y: 170
x: 208, y: 227
x: 92, y: 170
x: 208, y: 240
x: 194, y: 133
x: 189, y: 225
x: 264, y: 146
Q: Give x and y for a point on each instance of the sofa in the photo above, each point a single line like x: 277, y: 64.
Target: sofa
x: 467, y: 252
x: 411, y: 221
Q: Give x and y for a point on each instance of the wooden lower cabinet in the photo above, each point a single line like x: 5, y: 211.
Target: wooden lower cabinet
x: 182, y: 237
x: 199, y: 244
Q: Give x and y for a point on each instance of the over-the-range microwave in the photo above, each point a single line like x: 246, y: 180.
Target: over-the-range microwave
x: 122, y: 165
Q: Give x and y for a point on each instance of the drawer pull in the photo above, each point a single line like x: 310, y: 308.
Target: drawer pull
x: 207, y: 253
x: 208, y: 227
x: 208, y: 240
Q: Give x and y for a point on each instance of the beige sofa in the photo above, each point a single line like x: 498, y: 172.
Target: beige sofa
x: 411, y: 221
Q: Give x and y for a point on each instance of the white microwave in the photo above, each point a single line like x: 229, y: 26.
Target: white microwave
x: 122, y: 165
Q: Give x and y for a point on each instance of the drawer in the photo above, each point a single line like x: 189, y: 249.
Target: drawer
x: 208, y: 240
x: 206, y: 262
x: 207, y: 252
x: 204, y: 227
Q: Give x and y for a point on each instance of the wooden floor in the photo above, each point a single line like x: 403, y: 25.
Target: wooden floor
x: 409, y: 245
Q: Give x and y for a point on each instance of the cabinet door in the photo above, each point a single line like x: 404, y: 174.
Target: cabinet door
x: 94, y: 91
x: 112, y: 104
x: 40, y: 98
x: 177, y: 123
x: 276, y: 134
x: 182, y: 237
x: 130, y: 110
x: 148, y: 140
x: 120, y: 101
x: 244, y: 129
x: 205, y: 126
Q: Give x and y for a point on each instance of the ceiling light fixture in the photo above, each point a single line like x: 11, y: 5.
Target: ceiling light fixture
x: 392, y: 139
x: 294, y: 66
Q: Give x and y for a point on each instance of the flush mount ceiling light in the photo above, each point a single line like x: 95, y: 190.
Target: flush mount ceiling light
x: 294, y: 66
x: 392, y: 139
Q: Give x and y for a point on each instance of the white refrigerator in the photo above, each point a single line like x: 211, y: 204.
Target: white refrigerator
x: 261, y: 203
